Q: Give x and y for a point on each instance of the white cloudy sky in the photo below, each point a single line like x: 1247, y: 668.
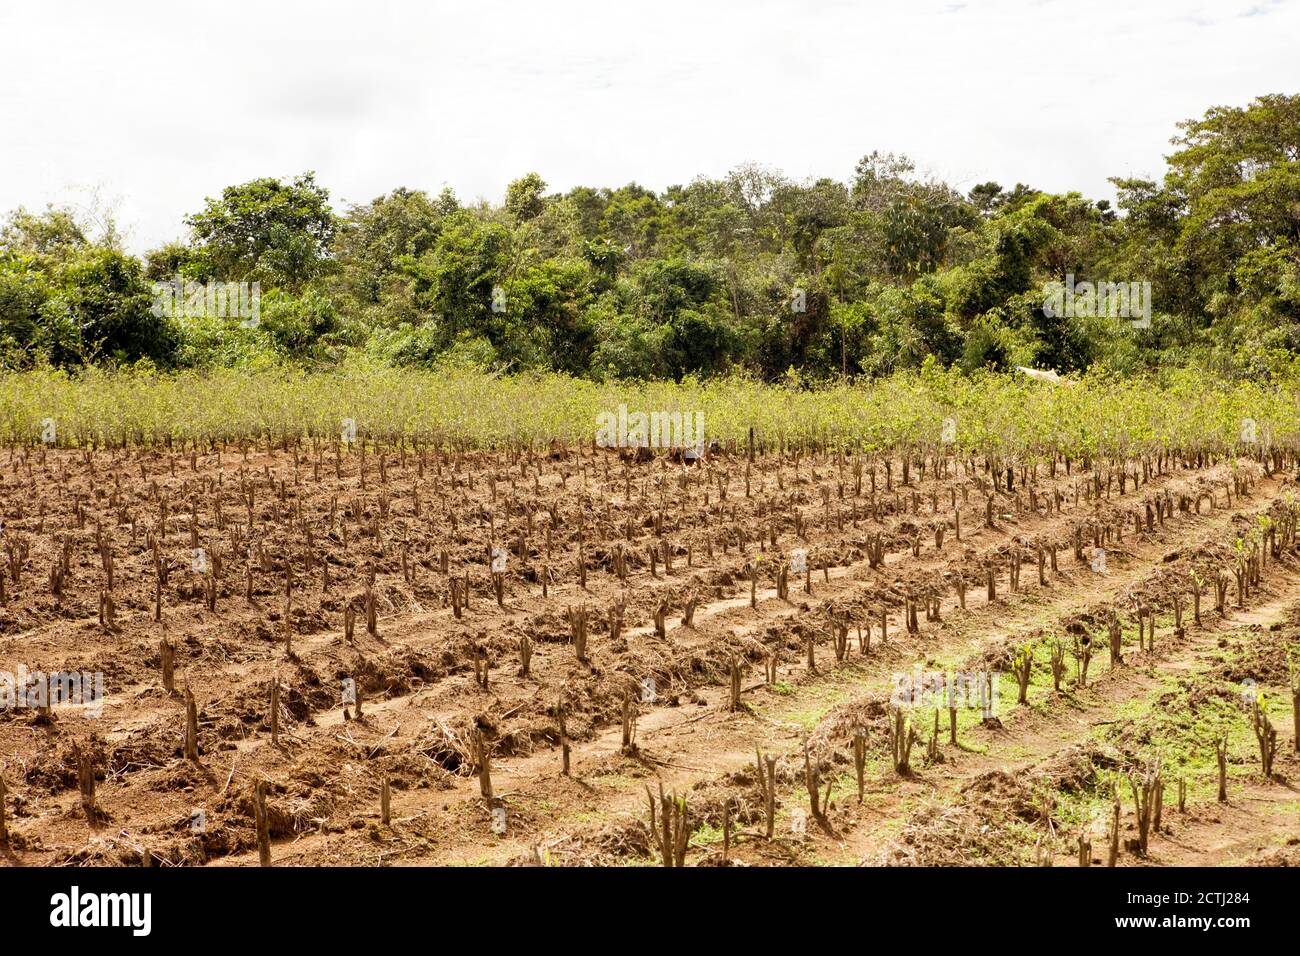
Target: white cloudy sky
x: 151, y: 106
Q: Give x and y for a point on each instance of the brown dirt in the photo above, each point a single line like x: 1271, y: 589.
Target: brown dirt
x: 421, y: 704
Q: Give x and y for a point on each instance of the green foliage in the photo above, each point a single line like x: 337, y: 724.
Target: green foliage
x: 751, y: 272
x: 460, y: 402
x: 24, y: 291
x: 48, y: 240
x: 525, y: 197
x: 104, y: 299
x: 265, y: 230
x: 376, y: 240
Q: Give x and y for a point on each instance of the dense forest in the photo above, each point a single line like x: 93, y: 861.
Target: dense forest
x: 751, y: 273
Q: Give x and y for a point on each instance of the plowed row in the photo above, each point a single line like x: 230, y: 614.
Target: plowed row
x: 268, y: 550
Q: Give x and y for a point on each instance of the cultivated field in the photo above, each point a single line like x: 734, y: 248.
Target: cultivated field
x: 933, y: 621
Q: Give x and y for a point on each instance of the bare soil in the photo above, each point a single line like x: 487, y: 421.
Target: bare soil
x: 268, y: 549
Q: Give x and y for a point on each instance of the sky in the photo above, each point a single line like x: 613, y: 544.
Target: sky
x: 143, y: 109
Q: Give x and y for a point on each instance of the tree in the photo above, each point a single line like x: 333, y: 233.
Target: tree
x: 104, y: 294
x: 168, y: 261
x: 526, y: 197
x: 374, y: 240
x: 808, y: 212
x: 909, y: 217
x: 266, y: 231
x: 49, y: 239
x: 551, y: 302
x: 24, y: 290
x: 1236, y: 181
x: 1238, y: 174
x: 460, y: 283
x: 986, y: 197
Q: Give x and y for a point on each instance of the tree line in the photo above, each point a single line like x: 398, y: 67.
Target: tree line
x: 753, y: 272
